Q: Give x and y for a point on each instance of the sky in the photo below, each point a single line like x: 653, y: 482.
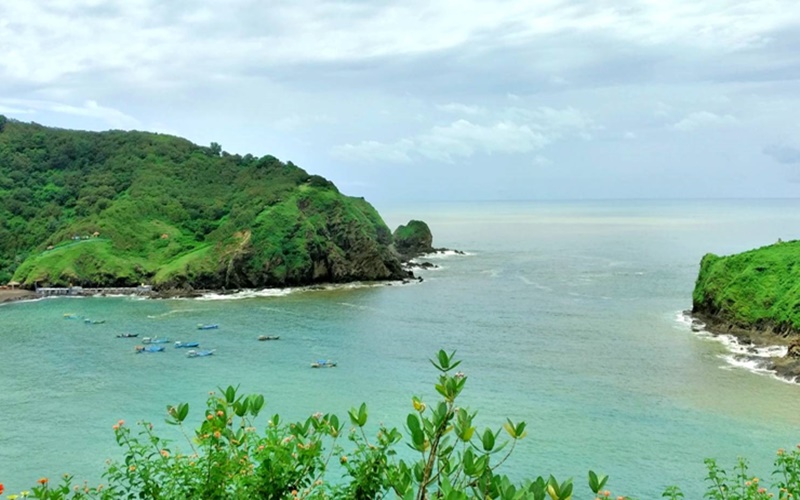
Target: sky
x: 425, y: 100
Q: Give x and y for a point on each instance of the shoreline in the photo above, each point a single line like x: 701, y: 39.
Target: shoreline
x: 18, y: 295
x: 13, y: 295
x: 757, y: 345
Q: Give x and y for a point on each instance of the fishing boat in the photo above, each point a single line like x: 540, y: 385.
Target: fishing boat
x: 186, y: 344
x: 269, y: 337
x: 149, y: 348
x: 94, y: 321
x: 127, y: 335
x: 208, y: 327
x: 199, y: 353
x: 154, y: 340
x: 323, y: 363
x: 71, y: 316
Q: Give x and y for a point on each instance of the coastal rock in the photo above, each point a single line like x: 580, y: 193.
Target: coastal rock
x: 413, y: 239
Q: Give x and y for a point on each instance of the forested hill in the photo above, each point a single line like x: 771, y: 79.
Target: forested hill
x: 121, y: 208
x: 758, y: 289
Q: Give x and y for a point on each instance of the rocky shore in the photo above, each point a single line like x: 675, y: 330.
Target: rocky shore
x: 767, y: 335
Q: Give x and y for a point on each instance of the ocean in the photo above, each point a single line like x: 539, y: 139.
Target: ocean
x: 567, y: 315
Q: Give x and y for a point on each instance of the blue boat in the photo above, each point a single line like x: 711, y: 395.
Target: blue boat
x: 149, y: 348
x: 186, y: 344
x: 199, y: 353
x: 207, y: 327
x: 323, y: 363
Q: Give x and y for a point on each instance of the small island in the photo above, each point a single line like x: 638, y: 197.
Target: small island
x: 123, y: 209
x: 754, y: 296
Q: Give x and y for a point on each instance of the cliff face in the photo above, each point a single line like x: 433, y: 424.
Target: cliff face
x: 757, y: 290
x: 122, y: 208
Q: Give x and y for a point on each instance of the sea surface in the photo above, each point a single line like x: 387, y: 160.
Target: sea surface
x: 567, y: 315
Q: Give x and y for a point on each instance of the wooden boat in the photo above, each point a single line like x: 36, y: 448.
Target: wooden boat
x: 149, y: 348
x: 199, y: 353
x: 71, y: 316
x: 208, y: 327
x: 323, y: 363
x: 127, y: 335
x: 186, y: 344
x: 269, y: 337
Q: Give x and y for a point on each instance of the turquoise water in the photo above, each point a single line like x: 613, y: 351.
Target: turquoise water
x: 565, y: 314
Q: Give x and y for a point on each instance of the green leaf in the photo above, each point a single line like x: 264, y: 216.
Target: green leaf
x: 362, y: 415
x: 256, y: 403
x: 488, y: 440
x: 183, y: 411
x: 444, y: 361
x: 230, y: 394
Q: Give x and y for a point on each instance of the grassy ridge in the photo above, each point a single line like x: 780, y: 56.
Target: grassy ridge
x: 758, y: 288
x: 174, y: 214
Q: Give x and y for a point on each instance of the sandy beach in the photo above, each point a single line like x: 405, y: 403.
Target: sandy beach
x: 9, y: 295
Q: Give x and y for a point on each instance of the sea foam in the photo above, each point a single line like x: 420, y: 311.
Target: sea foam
x: 281, y: 292
x: 744, y: 356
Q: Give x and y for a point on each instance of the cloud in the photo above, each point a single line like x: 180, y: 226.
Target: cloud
x: 515, y: 131
x: 703, y: 119
x: 782, y: 153
x: 295, y: 121
x: 374, y: 151
x: 463, y: 109
x: 90, y: 109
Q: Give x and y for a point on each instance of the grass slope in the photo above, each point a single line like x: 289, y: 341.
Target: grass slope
x: 754, y: 289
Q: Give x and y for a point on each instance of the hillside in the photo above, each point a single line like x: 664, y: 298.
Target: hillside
x: 121, y: 208
x: 757, y: 290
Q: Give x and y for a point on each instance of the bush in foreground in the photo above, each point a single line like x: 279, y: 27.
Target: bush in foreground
x: 228, y: 457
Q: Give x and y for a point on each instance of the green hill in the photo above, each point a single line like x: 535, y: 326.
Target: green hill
x: 122, y: 208
x: 758, y: 289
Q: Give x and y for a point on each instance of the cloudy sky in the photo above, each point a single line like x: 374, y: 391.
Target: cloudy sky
x: 426, y: 100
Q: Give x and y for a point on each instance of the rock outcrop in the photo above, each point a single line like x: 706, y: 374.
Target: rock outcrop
x: 413, y: 239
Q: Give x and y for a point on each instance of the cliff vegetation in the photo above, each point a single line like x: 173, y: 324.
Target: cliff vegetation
x: 758, y: 289
x: 121, y: 208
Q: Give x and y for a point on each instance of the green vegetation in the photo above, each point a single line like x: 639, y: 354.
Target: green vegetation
x: 232, y: 455
x: 120, y: 208
x: 759, y: 288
